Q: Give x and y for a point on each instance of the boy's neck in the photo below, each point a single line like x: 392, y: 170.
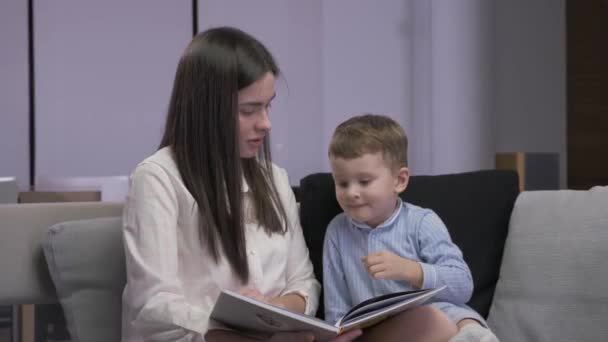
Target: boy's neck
x: 396, y: 208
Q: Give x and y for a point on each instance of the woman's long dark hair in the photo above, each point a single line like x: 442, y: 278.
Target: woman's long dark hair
x: 202, y: 130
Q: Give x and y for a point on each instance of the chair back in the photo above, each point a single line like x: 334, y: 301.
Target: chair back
x: 475, y: 206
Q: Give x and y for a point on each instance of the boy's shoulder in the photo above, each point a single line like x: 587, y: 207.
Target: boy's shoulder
x: 418, y: 216
x: 415, y: 210
x: 339, y: 222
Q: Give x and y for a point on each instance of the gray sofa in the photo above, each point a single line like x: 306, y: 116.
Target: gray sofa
x: 551, y: 284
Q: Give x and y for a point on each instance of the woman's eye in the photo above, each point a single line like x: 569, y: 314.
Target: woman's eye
x: 364, y: 182
x: 247, y: 111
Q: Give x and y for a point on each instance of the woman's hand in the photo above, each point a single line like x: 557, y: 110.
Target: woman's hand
x: 301, y: 336
x: 309, y: 337
x: 254, y: 294
x: 291, y: 301
x: 348, y: 336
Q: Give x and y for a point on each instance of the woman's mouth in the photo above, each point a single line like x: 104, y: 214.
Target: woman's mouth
x: 255, y: 143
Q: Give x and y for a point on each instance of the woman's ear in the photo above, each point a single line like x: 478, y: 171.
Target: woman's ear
x: 402, y: 179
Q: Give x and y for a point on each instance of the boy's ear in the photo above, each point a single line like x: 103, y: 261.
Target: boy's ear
x: 402, y: 179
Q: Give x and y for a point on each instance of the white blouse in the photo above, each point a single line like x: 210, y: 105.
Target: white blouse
x: 172, y: 281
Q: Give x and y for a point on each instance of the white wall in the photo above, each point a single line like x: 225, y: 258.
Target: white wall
x: 451, y: 87
x: 292, y: 31
x: 14, y: 92
x: 340, y: 58
x: 462, y: 85
x: 104, y: 71
x: 530, y: 78
x: 426, y: 64
x: 366, y: 62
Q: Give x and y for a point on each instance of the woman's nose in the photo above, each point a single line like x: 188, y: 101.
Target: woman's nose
x: 264, y: 121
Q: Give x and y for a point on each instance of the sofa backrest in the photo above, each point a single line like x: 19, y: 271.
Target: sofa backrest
x: 87, y: 264
x: 475, y: 206
x: 23, y: 227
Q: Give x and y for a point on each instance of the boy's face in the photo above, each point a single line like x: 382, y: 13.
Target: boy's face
x: 367, y: 187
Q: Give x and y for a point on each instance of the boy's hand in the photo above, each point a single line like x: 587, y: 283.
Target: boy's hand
x: 386, y: 265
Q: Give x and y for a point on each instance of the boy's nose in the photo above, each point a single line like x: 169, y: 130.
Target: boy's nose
x: 353, y: 192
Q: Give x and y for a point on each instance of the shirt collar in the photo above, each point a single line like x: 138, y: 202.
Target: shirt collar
x: 389, y: 221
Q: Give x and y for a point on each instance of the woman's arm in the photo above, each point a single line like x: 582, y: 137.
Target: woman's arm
x: 154, y: 295
x: 301, y: 282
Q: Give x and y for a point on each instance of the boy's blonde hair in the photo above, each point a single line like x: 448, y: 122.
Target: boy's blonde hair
x: 370, y: 133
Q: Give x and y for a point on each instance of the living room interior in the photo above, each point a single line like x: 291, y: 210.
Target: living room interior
x: 478, y: 85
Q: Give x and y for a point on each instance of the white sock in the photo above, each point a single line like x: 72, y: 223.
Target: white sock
x: 474, y: 333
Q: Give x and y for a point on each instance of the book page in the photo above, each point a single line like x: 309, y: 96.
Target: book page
x: 375, y: 303
x: 365, y: 318
x: 249, y: 315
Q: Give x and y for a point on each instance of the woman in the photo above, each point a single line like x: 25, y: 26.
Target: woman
x: 209, y: 211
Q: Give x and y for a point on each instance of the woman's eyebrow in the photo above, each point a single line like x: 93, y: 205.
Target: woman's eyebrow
x: 257, y: 103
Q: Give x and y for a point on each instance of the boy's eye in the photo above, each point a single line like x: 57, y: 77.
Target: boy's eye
x: 364, y: 182
x: 342, y: 184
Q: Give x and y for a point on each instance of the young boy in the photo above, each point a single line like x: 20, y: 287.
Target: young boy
x: 381, y: 245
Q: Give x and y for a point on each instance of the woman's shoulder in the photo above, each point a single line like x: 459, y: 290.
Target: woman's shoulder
x: 279, y: 176
x: 279, y: 173
x: 281, y: 181
x: 161, y: 162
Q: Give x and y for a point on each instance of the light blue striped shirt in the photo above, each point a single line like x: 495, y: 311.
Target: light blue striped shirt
x: 411, y: 232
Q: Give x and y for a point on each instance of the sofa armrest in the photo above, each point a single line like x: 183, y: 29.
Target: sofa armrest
x: 25, y: 276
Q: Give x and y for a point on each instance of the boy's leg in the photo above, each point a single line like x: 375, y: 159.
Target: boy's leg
x: 421, y: 324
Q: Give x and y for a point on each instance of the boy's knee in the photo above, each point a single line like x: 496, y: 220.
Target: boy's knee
x: 431, y: 313
x: 435, y: 318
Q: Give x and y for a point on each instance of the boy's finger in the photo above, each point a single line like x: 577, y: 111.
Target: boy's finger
x: 367, y: 269
x: 377, y: 268
x: 379, y: 274
x: 374, y: 260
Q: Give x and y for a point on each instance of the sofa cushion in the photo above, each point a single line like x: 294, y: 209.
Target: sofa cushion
x: 87, y: 264
x: 475, y: 206
x: 552, y: 284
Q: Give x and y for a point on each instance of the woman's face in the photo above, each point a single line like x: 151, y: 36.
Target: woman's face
x: 254, y: 122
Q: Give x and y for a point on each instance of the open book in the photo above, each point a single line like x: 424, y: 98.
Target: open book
x: 249, y: 315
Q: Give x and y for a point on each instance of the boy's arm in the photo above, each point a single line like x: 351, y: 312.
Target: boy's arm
x: 334, y: 283
x: 442, y: 262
